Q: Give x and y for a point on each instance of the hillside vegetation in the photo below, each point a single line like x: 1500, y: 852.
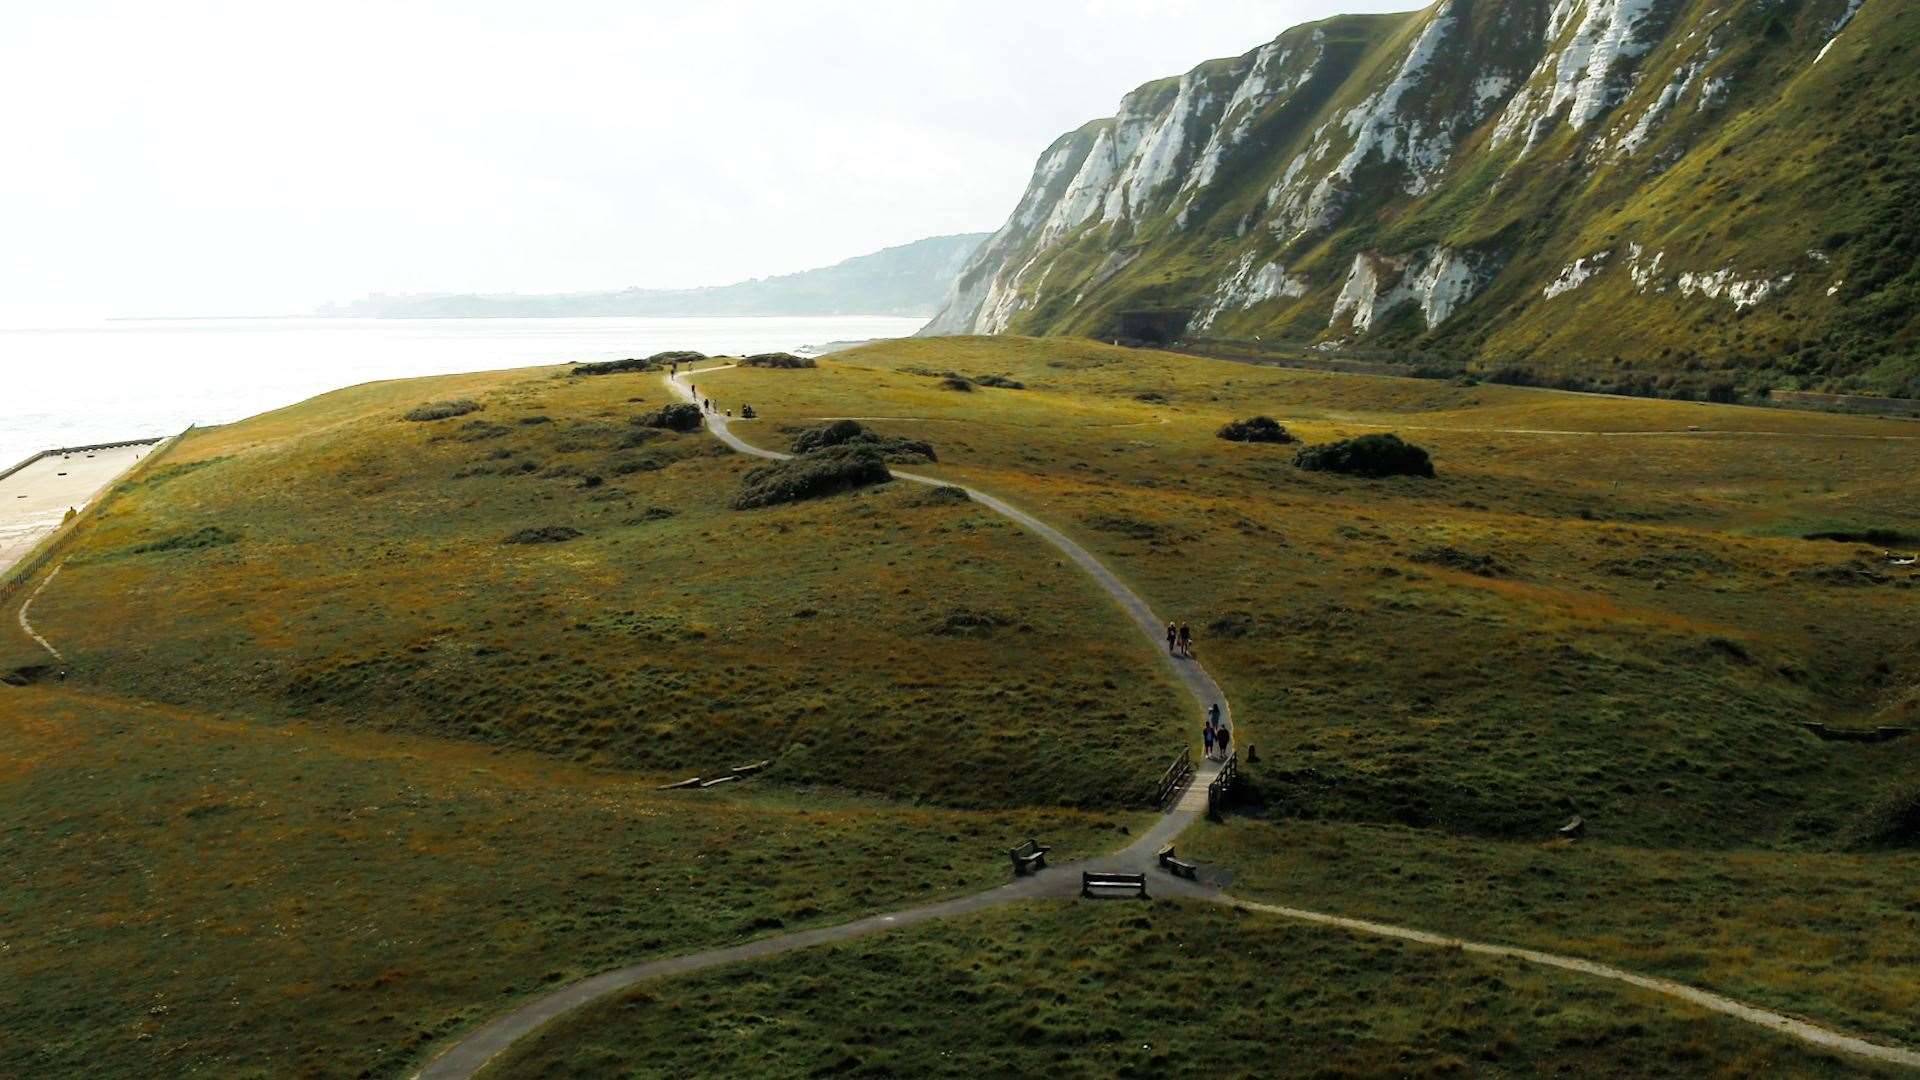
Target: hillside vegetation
x: 549, y: 572
x: 1674, y: 197
x: 1591, y: 608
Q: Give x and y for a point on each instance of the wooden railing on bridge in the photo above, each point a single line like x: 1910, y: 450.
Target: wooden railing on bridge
x: 1175, y: 779
x: 1221, y: 789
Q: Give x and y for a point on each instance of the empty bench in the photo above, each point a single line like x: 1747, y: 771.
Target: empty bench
x: 1028, y: 857
x: 1094, y: 885
x: 1175, y: 867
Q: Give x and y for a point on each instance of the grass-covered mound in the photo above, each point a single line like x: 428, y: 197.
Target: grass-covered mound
x: 679, y: 416
x: 1144, y: 990
x: 895, y: 449
x: 1260, y: 429
x: 1891, y: 821
x: 828, y: 471
x: 778, y: 360
x: 371, y: 589
x: 441, y: 410
x: 1368, y: 455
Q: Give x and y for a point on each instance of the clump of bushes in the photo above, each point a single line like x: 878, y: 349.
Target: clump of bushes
x: 1263, y: 429
x: 1000, y: 382
x: 677, y: 356
x: 943, y: 495
x: 207, y: 536
x: 1368, y: 455
x: 900, y: 451
x: 680, y: 416
x: 545, y: 534
x: 1892, y: 821
x: 442, y: 410
x: 782, y: 360
x: 614, y: 367
x: 823, y: 472
x: 956, y: 382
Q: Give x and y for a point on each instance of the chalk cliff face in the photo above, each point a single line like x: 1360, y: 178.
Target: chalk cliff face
x: 1643, y: 194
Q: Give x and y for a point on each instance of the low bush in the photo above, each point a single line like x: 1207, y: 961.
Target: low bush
x: 955, y: 382
x: 677, y: 356
x: 943, y: 495
x: 442, y: 410
x: 1000, y: 382
x: 545, y: 534
x: 1882, y: 537
x: 823, y: 472
x: 900, y: 451
x: 614, y: 367
x: 208, y: 536
x: 680, y: 416
x: 1262, y: 429
x: 778, y: 360
x: 1892, y: 821
x: 1368, y: 455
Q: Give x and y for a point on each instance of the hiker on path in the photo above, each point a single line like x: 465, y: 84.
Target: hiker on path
x: 1173, y: 640
x: 1206, y: 737
x: 1213, y: 714
x: 1186, y: 641
x: 694, y: 389
x: 673, y: 368
x: 1223, y: 740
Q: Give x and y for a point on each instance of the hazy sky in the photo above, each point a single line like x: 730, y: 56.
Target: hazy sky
x: 261, y: 157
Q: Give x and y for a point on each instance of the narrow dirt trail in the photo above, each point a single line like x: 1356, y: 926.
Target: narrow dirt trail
x: 472, y: 1052
x: 27, y: 627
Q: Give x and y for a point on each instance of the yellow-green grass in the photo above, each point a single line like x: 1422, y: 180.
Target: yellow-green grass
x: 1147, y: 990
x: 1829, y: 936
x: 1642, y: 647
x: 331, y: 561
x: 192, y: 896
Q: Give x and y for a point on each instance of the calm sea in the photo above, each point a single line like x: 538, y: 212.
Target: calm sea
x: 72, y: 387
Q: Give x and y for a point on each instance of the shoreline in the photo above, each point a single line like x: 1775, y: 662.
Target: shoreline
x: 37, y: 494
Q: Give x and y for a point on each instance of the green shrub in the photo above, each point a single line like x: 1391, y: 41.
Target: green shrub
x: 823, y: 472
x: 1000, y: 382
x: 615, y: 367
x: 680, y: 416
x: 676, y: 356
x: 205, y: 537
x: 545, y: 534
x: 900, y: 451
x: 955, y: 382
x: 777, y: 360
x: 1368, y: 455
x: 1262, y: 429
x: 1892, y: 821
x: 442, y: 410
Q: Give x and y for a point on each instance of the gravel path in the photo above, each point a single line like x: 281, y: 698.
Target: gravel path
x: 472, y: 1053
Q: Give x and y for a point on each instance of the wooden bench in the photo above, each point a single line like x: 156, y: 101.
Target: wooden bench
x: 1028, y: 857
x: 1175, y: 867
x: 1094, y: 885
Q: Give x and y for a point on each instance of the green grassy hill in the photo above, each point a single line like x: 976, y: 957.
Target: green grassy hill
x: 338, y: 772
x: 1679, y: 197
x: 336, y: 562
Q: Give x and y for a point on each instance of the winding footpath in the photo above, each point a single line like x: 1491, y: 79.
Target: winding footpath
x: 473, y: 1051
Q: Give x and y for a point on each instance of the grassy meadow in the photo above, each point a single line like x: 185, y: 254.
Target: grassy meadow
x: 1144, y: 990
x: 1593, y: 609
x: 336, y: 563
x: 365, y: 718
x: 194, y: 896
x: 1831, y: 936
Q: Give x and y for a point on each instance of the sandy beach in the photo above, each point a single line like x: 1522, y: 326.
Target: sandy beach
x: 34, y: 500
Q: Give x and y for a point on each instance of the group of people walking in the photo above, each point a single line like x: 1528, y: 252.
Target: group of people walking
x: 1180, y: 640
x: 1217, y: 737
